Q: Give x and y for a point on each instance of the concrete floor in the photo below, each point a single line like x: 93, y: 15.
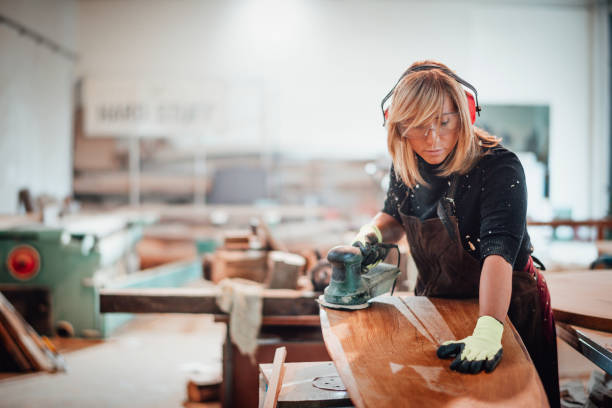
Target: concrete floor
x: 146, y: 363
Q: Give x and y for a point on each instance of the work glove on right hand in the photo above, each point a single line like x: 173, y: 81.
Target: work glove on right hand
x: 481, y: 350
x: 369, y: 234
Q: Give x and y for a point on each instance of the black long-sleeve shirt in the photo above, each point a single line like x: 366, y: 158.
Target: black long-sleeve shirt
x: 490, y: 202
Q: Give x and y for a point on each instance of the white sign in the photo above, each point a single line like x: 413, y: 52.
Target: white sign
x: 152, y: 108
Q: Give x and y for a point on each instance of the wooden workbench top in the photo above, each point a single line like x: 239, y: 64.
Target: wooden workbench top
x: 386, y: 357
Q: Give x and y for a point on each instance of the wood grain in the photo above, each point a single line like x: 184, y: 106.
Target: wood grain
x: 386, y: 356
x: 582, y: 298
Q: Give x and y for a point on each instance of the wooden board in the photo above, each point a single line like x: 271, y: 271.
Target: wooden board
x: 276, y: 379
x: 24, y: 337
x: 582, y: 298
x: 386, y: 357
x: 297, y: 389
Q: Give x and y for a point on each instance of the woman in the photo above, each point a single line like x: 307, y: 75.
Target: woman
x: 461, y: 200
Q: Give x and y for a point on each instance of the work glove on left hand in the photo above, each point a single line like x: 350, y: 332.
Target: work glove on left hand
x: 481, y: 350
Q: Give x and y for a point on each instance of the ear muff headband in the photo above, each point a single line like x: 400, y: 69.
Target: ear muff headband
x: 472, y: 98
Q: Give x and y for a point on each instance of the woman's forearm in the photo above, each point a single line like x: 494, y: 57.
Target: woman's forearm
x: 392, y: 231
x: 495, y: 287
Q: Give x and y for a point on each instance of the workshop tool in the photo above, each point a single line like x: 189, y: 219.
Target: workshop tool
x: 358, y: 275
x: 53, y: 274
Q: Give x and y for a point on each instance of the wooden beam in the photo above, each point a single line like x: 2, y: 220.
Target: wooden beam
x: 276, y: 302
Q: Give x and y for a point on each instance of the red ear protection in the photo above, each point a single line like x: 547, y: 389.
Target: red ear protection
x: 472, y: 98
x: 472, y: 106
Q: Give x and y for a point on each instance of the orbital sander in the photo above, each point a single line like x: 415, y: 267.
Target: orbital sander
x: 358, y: 275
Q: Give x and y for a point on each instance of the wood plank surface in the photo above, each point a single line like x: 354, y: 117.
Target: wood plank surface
x: 298, y: 389
x: 386, y: 356
x: 276, y: 302
x: 582, y: 298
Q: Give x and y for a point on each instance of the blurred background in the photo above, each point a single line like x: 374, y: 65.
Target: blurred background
x: 160, y: 101
x: 180, y: 122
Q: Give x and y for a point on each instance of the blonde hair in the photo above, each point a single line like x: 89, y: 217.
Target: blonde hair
x: 419, y: 99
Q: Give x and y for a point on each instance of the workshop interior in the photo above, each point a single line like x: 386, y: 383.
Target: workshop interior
x: 203, y: 206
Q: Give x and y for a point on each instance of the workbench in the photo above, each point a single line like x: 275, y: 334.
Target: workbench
x: 582, y: 306
x: 306, y: 385
x: 290, y: 319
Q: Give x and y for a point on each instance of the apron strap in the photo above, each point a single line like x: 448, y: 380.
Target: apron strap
x: 446, y: 208
x: 538, y: 263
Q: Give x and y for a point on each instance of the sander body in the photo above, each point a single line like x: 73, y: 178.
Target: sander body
x: 358, y: 275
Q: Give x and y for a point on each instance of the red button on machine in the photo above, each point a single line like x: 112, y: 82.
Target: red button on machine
x: 23, y: 262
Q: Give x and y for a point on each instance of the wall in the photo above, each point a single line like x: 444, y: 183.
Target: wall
x: 36, y: 87
x: 325, y: 65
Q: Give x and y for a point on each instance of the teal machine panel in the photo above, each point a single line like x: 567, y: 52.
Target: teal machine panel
x: 74, y: 261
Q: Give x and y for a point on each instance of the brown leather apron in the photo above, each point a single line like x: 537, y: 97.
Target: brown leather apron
x: 446, y: 269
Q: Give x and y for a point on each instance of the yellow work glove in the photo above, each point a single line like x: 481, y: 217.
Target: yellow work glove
x: 481, y: 350
x: 368, y: 234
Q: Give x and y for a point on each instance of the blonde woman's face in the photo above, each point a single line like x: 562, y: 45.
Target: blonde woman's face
x: 435, y: 142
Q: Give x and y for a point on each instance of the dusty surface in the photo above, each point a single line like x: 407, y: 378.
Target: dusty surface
x: 144, y: 364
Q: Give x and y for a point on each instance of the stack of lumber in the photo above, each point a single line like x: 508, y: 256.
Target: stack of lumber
x: 242, y: 255
x: 239, y: 264
x: 256, y: 256
x: 22, y: 349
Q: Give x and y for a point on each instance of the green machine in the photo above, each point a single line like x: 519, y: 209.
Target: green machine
x: 53, y: 274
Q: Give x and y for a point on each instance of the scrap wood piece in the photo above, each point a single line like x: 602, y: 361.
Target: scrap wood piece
x: 27, y: 340
x: 13, y: 350
x: 276, y: 380
x: 298, y: 389
x: 392, y: 345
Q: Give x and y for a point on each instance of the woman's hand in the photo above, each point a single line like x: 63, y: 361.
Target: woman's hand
x: 480, y: 351
x: 483, y: 349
